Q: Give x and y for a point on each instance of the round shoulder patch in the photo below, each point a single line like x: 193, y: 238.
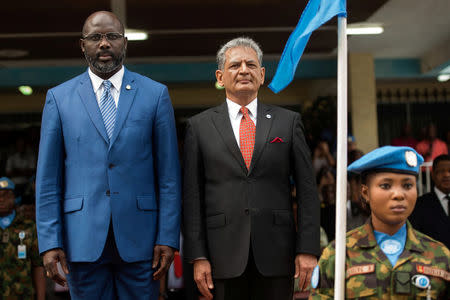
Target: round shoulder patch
x: 315, y: 277
x: 411, y: 158
x: 391, y: 246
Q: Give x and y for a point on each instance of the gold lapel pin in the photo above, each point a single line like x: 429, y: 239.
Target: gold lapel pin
x: 128, y: 87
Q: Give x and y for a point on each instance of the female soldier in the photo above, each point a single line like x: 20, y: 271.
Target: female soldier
x: 386, y: 258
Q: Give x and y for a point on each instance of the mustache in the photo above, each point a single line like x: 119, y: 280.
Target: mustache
x: 105, y: 52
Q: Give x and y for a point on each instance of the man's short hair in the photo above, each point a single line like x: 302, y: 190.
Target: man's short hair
x: 245, y: 42
x: 437, y: 160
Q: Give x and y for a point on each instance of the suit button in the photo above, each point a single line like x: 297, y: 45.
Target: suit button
x: 111, y: 166
x: 108, y: 193
x: 247, y: 211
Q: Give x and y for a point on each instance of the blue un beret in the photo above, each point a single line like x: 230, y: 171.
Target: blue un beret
x: 389, y: 158
x: 6, y: 184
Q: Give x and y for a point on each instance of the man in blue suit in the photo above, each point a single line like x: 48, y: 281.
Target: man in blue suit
x: 108, y: 179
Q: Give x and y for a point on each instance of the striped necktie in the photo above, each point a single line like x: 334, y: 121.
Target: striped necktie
x: 108, y: 108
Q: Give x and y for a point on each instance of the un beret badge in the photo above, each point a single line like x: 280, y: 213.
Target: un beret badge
x: 411, y: 158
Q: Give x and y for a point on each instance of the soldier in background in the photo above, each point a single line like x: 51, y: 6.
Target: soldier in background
x: 21, y: 270
x: 386, y: 258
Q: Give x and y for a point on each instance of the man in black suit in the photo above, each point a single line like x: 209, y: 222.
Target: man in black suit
x: 238, y: 217
x: 431, y: 214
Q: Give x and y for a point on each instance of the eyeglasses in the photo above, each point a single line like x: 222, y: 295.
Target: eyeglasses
x: 110, y: 36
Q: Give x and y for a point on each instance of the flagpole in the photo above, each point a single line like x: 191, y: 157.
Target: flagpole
x: 341, y: 168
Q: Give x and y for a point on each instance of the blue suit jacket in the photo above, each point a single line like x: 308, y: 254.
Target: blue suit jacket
x: 84, y: 180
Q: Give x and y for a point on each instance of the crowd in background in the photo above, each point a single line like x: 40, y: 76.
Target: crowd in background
x: 18, y: 158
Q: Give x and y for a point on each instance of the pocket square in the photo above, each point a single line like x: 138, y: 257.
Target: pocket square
x: 277, y: 140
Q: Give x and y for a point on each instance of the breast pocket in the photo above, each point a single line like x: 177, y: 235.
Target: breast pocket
x: 283, y: 218
x: 216, y: 221
x: 361, y: 286
x: 147, y: 202
x: 73, y: 204
x: 136, y: 123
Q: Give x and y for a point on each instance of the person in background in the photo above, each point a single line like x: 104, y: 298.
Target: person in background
x: 431, y: 146
x: 387, y: 258
x: 20, y: 165
x: 326, y: 186
x: 21, y: 270
x: 431, y: 214
x: 27, y: 207
x: 406, y: 138
x: 357, y: 211
x: 322, y: 157
x: 447, y: 140
x: 351, y: 143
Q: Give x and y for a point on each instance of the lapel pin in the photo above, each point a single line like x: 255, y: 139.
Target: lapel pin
x: 268, y: 116
x: 128, y: 87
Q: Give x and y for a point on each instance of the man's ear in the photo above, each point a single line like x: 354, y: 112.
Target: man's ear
x: 263, y: 75
x: 82, y: 45
x: 219, y: 77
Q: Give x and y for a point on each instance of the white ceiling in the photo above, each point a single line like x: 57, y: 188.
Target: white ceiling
x: 412, y: 29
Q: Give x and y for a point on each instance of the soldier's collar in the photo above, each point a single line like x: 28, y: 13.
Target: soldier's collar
x: 412, y: 242
x: 367, y: 238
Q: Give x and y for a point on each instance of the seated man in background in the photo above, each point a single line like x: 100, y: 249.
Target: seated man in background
x: 431, y: 214
x: 21, y: 271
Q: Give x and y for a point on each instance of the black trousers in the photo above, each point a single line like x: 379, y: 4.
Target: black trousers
x: 252, y: 285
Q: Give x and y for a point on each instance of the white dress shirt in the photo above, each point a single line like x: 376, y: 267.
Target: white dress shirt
x: 116, y: 80
x: 442, y: 199
x: 234, y: 111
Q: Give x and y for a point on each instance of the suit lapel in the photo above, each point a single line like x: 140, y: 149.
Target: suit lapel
x: 87, y: 95
x: 263, y: 125
x: 126, y: 99
x: 221, y: 121
x: 436, y: 206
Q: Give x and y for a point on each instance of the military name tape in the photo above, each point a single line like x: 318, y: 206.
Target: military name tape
x: 361, y: 269
x: 433, y: 272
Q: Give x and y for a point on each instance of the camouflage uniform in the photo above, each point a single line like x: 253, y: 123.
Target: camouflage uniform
x: 16, y: 277
x: 369, y: 274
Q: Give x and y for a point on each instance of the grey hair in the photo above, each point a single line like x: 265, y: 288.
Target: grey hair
x: 245, y: 42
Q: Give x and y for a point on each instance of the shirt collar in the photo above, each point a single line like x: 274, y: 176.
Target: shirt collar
x: 439, y: 194
x: 399, y: 235
x: 234, y: 108
x: 7, y: 220
x: 116, y: 79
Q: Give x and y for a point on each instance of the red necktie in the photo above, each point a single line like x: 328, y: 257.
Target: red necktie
x: 247, y: 131
x: 178, y: 267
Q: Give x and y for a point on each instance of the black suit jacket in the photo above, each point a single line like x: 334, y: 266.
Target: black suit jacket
x: 429, y: 217
x: 227, y: 208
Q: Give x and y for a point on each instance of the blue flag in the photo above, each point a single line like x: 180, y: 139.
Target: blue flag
x: 316, y: 13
